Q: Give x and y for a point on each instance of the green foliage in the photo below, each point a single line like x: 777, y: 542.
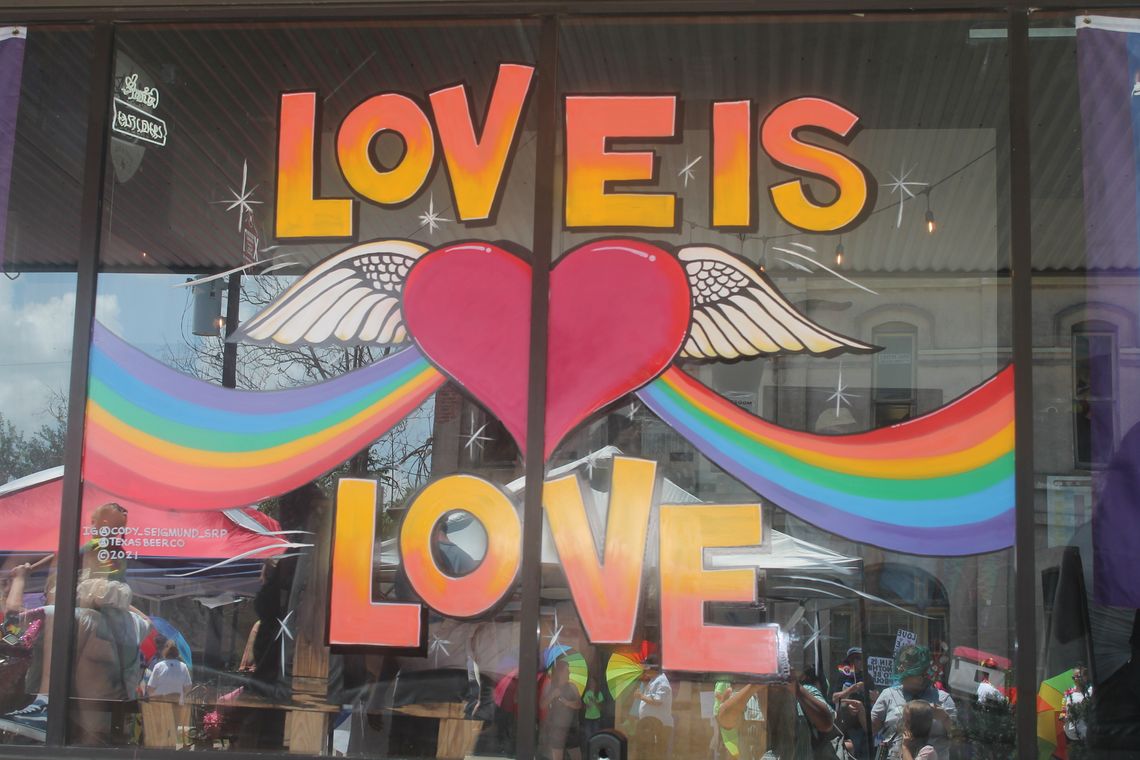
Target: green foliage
x: 22, y: 455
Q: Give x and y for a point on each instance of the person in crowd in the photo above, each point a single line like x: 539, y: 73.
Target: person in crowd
x: 852, y: 701
x: 1074, y: 707
x: 592, y: 700
x: 987, y: 692
x: 106, y: 670
x: 850, y: 679
x: 914, y: 732
x: 913, y: 680
x: 653, y: 701
x: 560, y: 702
x: 729, y: 706
x: 449, y: 556
x: 104, y: 554
x: 814, y: 716
x: 170, y: 675
x: 276, y: 602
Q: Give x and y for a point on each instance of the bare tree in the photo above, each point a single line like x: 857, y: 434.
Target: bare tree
x: 400, y: 460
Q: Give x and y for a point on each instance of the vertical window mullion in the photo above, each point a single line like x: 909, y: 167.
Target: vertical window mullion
x: 91, y: 219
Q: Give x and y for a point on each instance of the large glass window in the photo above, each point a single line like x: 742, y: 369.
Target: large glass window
x: 816, y: 210
x: 264, y: 447
x: 44, y: 77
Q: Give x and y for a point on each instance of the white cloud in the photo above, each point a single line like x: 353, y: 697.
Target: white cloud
x: 35, y: 345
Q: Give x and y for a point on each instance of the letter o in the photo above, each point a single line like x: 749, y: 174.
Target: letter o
x: 482, y: 588
x: 386, y: 113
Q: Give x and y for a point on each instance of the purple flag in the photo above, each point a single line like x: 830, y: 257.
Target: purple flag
x: 11, y: 69
x: 1108, y: 67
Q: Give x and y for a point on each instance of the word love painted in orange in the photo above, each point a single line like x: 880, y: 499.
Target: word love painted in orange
x: 606, y: 589
x: 476, y: 159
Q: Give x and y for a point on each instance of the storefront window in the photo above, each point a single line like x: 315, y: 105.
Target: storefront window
x: 744, y: 557
x: 1085, y: 290
x: 44, y: 77
x: 264, y: 447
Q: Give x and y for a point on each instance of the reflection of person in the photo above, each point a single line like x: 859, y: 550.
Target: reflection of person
x: 852, y: 701
x: 987, y: 692
x: 103, y: 555
x: 1074, y: 707
x: 560, y: 700
x: 450, y: 558
x: 170, y: 675
x: 592, y: 700
x: 729, y: 706
x: 912, y: 671
x: 914, y: 731
x: 654, y: 703
x: 814, y: 718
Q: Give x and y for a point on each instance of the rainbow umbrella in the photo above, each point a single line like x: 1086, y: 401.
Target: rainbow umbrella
x: 579, y: 670
x: 622, y: 671
x: 1050, y: 701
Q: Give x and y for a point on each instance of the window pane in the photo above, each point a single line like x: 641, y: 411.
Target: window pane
x: 1084, y: 336
x: 317, y: 436
x: 44, y: 72
x: 749, y: 539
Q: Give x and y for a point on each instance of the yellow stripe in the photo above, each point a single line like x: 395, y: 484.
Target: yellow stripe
x: 428, y: 380
x: 911, y: 468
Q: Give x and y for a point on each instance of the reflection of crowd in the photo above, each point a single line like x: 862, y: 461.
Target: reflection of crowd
x: 106, y: 672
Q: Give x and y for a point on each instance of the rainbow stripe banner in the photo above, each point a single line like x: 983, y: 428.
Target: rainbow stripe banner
x: 162, y: 438
x: 941, y: 484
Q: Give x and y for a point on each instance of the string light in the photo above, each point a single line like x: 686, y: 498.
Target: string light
x: 839, y: 253
x: 930, y: 225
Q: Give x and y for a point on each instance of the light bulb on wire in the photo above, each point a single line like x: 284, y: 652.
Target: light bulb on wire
x: 930, y: 224
x: 839, y: 253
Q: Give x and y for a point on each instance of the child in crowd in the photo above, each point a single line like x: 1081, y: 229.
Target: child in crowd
x: 917, y: 718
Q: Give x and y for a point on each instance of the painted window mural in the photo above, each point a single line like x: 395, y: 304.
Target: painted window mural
x: 385, y: 454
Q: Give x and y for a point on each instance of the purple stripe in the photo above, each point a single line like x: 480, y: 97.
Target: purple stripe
x: 988, y: 535
x: 1106, y: 144
x: 11, y: 70
x: 194, y: 391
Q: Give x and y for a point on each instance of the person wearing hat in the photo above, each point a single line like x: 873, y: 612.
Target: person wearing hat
x: 913, y: 677
x: 852, y: 702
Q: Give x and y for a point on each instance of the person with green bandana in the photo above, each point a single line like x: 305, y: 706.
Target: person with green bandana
x: 913, y: 678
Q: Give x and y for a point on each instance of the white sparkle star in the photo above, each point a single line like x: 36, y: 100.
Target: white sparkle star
x: 431, y: 218
x: 841, y: 396
x: 437, y: 645
x: 687, y: 170
x: 242, y: 200
x: 475, y: 437
x: 901, y: 185
x: 283, y: 632
x: 632, y: 410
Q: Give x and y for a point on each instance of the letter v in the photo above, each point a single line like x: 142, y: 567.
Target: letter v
x: 606, y: 593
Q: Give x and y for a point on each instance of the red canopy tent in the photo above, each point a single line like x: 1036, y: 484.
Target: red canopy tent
x: 30, y: 514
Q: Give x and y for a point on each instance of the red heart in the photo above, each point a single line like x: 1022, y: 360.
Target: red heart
x: 468, y: 307
x: 619, y: 312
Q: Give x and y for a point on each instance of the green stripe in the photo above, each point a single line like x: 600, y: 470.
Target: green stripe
x: 209, y: 439
x: 945, y: 487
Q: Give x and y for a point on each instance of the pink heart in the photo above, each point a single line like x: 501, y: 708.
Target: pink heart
x: 619, y: 312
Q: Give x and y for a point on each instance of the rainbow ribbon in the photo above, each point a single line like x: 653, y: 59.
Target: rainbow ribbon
x: 162, y: 438
x: 941, y: 484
